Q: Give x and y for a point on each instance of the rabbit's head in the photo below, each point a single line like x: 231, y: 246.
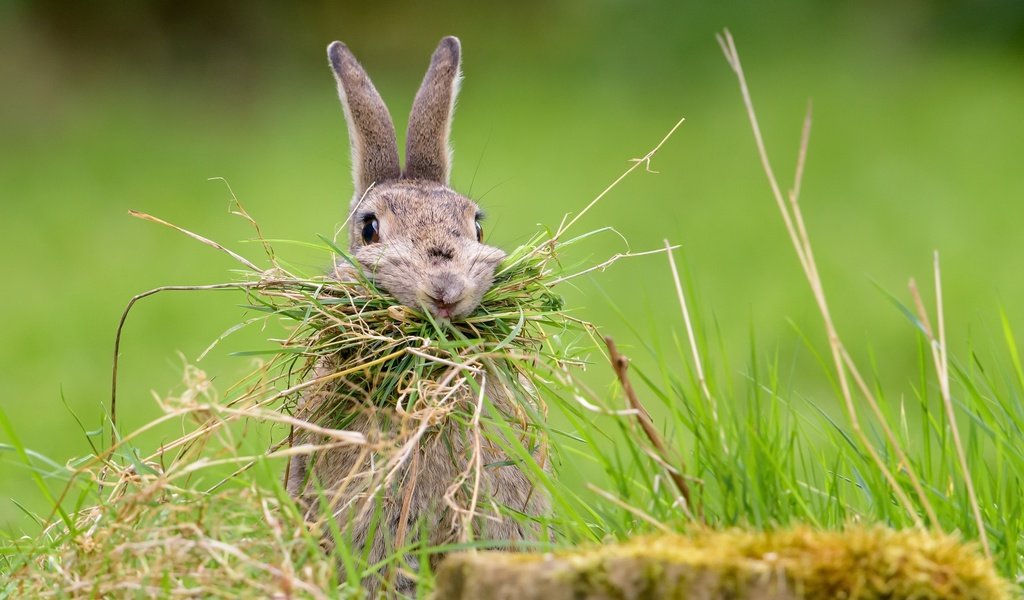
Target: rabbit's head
x: 413, y: 235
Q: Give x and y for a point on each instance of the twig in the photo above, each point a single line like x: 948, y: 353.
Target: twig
x: 621, y: 365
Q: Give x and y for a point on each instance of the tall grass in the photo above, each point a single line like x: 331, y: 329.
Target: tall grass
x: 677, y: 447
x: 948, y: 458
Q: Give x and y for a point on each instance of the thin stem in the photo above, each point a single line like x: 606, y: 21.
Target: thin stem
x: 941, y: 360
x: 120, y: 328
x: 698, y: 364
x: 614, y: 259
x: 645, y: 160
x: 621, y: 365
x: 802, y: 245
x: 196, y: 236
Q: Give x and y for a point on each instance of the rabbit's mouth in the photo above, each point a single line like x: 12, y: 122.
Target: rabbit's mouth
x: 442, y: 310
x: 446, y: 310
x: 447, y: 295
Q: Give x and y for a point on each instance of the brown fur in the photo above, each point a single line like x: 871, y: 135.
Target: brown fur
x: 427, y: 154
x: 370, y: 132
x: 427, y: 256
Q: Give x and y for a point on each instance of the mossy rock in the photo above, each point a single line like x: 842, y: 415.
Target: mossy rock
x: 797, y: 564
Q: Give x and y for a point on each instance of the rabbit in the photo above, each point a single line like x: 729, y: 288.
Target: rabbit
x: 422, y: 242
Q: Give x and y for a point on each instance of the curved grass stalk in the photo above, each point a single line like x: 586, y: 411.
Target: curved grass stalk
x: 793, y: 219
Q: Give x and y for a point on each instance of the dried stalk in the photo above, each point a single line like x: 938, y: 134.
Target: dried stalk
x: 793, y: 220
x: 621, y: 365
x: 698, y: 364
x: 941, y: 360
x: 645, y: 160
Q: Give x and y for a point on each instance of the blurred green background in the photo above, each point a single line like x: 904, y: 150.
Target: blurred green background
x: 918, y: 145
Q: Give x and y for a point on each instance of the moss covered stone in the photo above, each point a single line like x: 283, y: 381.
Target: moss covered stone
x: 858, y: 563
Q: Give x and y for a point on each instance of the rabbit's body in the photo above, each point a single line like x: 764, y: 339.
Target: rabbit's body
x: 421, y: 241
x: 411, y: 508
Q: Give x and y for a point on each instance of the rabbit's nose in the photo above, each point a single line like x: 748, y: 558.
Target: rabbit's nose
x: 447, y: 289
x: 446, y: 292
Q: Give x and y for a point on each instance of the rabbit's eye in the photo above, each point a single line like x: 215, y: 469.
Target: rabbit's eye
x: 370, y: 233
x: 479, y: 232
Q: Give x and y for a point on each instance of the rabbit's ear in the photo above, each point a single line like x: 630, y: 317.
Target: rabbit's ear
x: 427, y: 154
x: 371, y: 133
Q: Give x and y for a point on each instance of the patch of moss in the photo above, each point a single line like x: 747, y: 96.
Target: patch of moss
x: 860, y: 563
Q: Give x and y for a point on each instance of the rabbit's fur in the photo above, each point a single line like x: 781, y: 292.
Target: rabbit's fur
x: 427, y: 254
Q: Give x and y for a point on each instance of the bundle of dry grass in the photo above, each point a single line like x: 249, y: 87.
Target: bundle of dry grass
x: 798, y: 564
x: 387, y: 354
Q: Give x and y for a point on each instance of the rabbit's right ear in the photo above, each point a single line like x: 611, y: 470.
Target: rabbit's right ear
x: 427, y: 154
x: 371, y: 133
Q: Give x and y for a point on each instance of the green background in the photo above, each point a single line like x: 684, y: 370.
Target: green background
x: 918, y: 145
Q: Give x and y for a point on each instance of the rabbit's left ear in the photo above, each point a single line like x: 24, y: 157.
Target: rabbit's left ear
x: 427, y: 153
x: 370, y: 131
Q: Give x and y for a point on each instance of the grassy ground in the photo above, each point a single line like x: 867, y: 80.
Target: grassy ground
x: 915, y: 148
